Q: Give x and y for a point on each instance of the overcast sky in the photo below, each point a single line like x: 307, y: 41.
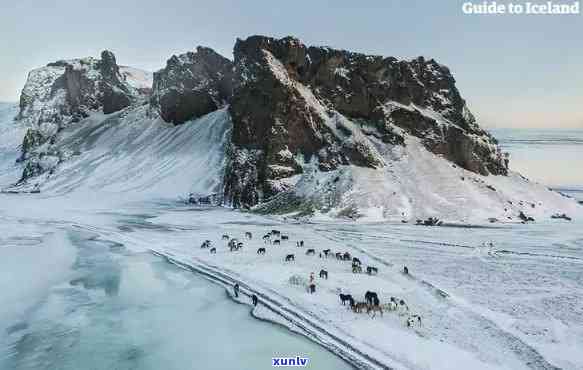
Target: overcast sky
x: 514, y: 71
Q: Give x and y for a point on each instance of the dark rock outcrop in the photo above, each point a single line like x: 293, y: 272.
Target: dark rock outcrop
x: 192, y: 85
x: 294, y: 104
x: 62, y: 93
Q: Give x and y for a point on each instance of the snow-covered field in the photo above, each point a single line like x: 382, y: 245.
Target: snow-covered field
x: 515, y: 305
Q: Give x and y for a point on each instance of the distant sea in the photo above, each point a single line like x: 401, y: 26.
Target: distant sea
x: 553, y: 157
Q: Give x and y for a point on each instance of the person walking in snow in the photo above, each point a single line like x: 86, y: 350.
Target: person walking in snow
x: 254, y: 299
x: 236, y: 289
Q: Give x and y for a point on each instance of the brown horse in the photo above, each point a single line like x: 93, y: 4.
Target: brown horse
x: 359, y: 307
x: 373, y: 309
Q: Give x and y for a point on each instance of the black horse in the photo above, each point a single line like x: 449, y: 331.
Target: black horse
x: 248, y: 235
x: 369, y: 297
x: 339, y: 256
x: 371, y: 269
x: 225, y: 237
x: 310, y: 252
x: 276, y: 242
x: 326, y: 252
x: 261, y: 251
x: 346, y: 256
x: 324, y: 274
x: 213, y: 250
x: 290, y: 257
x: 284, y: 237
x: 345, y: 297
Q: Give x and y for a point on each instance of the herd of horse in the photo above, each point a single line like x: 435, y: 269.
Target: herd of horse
x: 371, y: 304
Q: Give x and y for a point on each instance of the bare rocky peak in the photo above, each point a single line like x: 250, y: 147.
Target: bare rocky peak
x: 192, y: 85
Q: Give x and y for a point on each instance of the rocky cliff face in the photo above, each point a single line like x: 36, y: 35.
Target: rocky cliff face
x: 296, y: 111
x: 62, y: 93
x: 293, y: 105
x: 192, y: 85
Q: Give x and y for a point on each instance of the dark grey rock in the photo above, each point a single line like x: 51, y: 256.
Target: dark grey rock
x: 192, y: 85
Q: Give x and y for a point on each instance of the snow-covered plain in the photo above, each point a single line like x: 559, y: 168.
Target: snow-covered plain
x: 516, y: 305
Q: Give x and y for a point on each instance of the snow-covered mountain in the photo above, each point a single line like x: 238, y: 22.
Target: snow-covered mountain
x: 284, y: 128
x: 65, y: 92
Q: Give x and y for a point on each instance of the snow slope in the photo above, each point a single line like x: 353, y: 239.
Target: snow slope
x: 137, y: 78
x: 137, y: 154
x: 415, y: 183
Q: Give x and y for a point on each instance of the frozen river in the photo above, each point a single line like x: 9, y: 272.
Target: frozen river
x: 77, y: 300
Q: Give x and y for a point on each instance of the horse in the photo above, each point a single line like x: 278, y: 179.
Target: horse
x: 373, y: 309
x: 403, y: 306
x: 405, y: 270
x: 344, y: 298
x: 358, y: 307
x: 416, y: 318
x: 233, y: 247
x: 290, y: 257
x: 213, y: 250
x: 351, y: 301
x: 239, y: 245
x: 356, y: 260
x: 338, y: 256
x: 310, y: 252
x: 205, y: 244
x: 276, y: 242
x: 391, y: 306
x: 225, y: 237
x: 346, y: 256
x: 370, y: 270
x: 248, y: 235
x: 412, y: 319
x: 356, y: 268
x: 369, y: 297
x: 275, y: 232
x: 324, y: 274
x: 284, y: 237
x: 326, y: 252
x: 301, y: 243
x: 261, y: 251
x: 267, y: 238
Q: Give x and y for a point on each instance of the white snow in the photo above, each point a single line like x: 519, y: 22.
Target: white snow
x: 137, y: 78
x: 133, y: 152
